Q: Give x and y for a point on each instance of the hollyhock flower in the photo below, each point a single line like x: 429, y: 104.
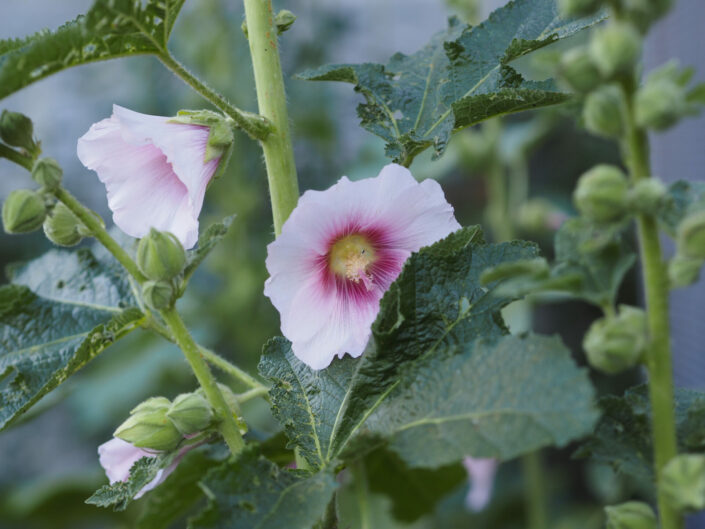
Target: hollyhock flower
x: 341, y: 249
x: 155, y: 171
x: 482, y: 473
x: 117, y: 457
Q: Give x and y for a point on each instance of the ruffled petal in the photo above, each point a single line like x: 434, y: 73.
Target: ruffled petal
x: 117, y: 457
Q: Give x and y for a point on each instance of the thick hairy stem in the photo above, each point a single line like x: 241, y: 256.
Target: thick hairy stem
x: 16, y: 157
x: 658, y: 356
x: 271, y: 98
x: 232, y: 370
x: 228, y: 426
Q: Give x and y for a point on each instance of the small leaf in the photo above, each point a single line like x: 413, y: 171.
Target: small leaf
x: 685, y: 198
x: 120, y: 494
x: 253, y: 493
x: 208, y: 240
x: 461, y: 77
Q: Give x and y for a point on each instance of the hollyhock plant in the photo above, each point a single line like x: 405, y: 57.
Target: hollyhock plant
x: 341, y: 249
x: 155, y: 169
x: 482, y: 473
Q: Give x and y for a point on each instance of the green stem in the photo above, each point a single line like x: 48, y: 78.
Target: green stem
x: 535, y: 491
x: 228, y: 426
x: 257, y: 127
x: 271, y: 98
x: 658, y: 356
x: 16, y: 157
x: 231, y: 369
x: 93, y: 223
x: 252, y: 394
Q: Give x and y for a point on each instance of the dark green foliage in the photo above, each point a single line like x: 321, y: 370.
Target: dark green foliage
x: 685, y: 197
x: 120, y: 494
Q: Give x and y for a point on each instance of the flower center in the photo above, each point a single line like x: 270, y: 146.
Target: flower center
x: 351, y: 256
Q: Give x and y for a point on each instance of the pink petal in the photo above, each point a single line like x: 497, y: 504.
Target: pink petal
x: 482, y: 473
x: 117, y: 457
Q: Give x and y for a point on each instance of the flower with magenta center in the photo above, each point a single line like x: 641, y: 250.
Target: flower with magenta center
x: 155, y: 169
x: 339, y: 252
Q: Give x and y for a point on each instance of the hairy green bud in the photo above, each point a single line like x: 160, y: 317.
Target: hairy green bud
x: 615, y: 48
x: 631, y: 515
x: 602, y: 194
x: 190, y: 413
x: 158, y: 294
x: 578, y: 8
x: 17, y: 130
x: 690, y: 235
x: 660, y: 104
x: 647, y: 196
x: 23, y: 211
x: 643, y: 13
x: 61, y: 226
x: 578, y: 70
x: 283, y: 20
x: 683, y: 482
x: 602, y: 112
x: 47, y: 173
x: 613, y: 344
x: 684, y: 271
x: 160, y: 255
x: 149, y: 427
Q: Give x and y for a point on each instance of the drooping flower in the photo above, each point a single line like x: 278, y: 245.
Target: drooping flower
x: 155, y: 170
x: 482, y: 473
x: 341, y: 249
x: 117, y: 457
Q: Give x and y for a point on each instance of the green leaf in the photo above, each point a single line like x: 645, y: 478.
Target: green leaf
x: 437, y: 292
x: 110, y: 29
x: 208, y: 240
x: 120, y: 494
x: 623, y: 438
x: 461, y: 77
x: 685, y: 198
x: 78, y: 305
x: 253, y: 493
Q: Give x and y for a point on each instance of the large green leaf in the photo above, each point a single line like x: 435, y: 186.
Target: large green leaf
x: 62, y: 310
x: 110, y: 29
x: 461, y: 77
x: 253, y: 493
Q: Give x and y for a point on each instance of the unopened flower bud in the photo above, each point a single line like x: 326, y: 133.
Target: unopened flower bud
x: 602, y: 112
x: 61, y: 226
x: 47, y: 173
x: 631, y: 515
x: 613, y: 344
x: 151, y: 404
x: 647, y: 196
x: 23, y: 211
x: 578, y: 70
x: 578, y: 8
x: 158, y: 294
x: 683, y: 482
x: 684, y: 271
x: 160, y: 255
x: 660, y: 104
x: 17, y: 130
x: 690, y: 235
x: 602, y: 194
x: 190, y: 413
x: 615, y: 48
x: 149, y: 427
x: 283, y: 20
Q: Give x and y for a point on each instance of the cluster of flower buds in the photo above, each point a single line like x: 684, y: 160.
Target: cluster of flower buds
x: 631, y: 515
x: 683, y: 482
x: 684, y: 267
x: 615, y: 343
x: 161, y: 258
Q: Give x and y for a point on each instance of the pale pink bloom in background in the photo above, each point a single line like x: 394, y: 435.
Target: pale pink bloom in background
x: 154, y: 171
x: 482, y: 473
x: 341, y: 249
x: 117, y: 457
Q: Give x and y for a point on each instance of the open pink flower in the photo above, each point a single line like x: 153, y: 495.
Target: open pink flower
x: 117, y: 457
x: 482, y: 473
x: 341, y: 249
x: 155, y: 171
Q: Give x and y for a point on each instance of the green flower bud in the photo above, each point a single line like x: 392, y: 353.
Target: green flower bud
x: 151, y: 404
x: 660, y: 104
x: 647, y: 196
x: 683, y: 482
x: 690, y: 235
x: 631, y: 515
x: 190, y: 413
x: 578, y: 8
x: 644, y: 12
x: 160, y: 255
x: 284, y: 20
x: 23, y: 211
x: 158, y: 294
x: 684, y: 271
x: 61, y: 226
x: 602, y: 194
x: 17, y: 130
x: 47, y: 173
x: 613, y: 344
x: 477, y: 149
x: 149, y: 427
x: 578, y: 70
x: 615, y: 48
x: 220, y: 138
x: 602, y: 112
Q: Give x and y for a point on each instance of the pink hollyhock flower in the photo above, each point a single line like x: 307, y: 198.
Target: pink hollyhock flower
x: 155, y: 171
x: 117, y: 457
x: 482, y: 473
x: 341, y: 249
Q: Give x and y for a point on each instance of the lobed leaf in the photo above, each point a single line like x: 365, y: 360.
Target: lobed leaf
x: 461, y: 77
x: 119, y: 494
